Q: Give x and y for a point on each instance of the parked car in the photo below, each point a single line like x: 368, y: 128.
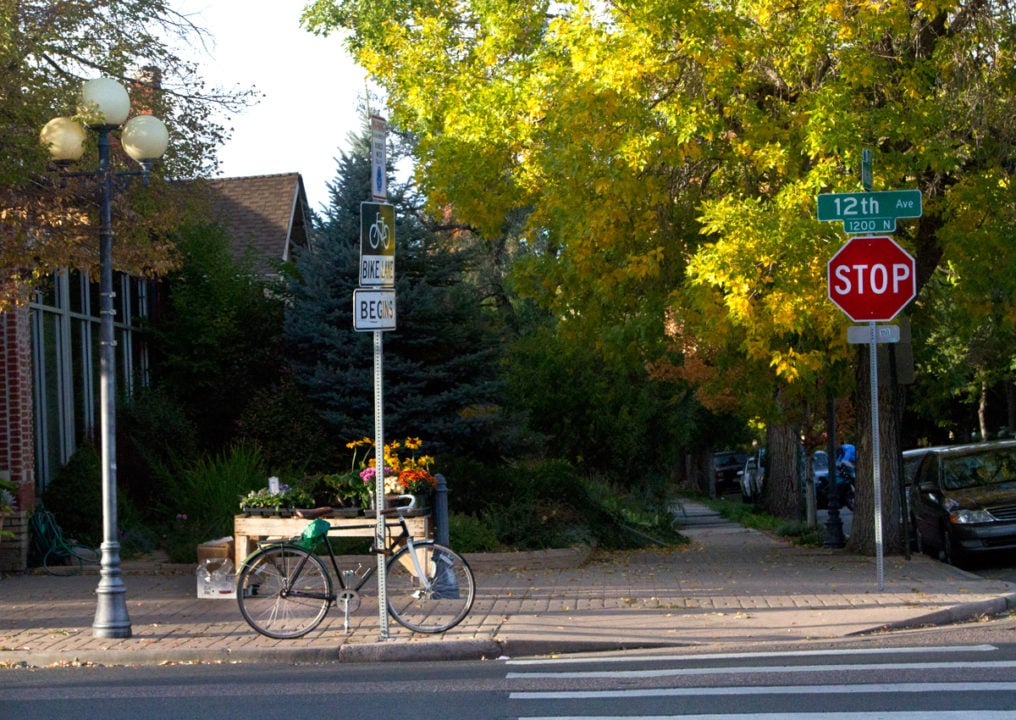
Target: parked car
x: 728, y: 465
x: 752, y: 476
x: 911, y: 461
x: 820, y: 476
x: 963, y: 500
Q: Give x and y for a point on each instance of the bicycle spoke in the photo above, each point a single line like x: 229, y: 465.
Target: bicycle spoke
x: 430, y: 589
x: 284, y: 592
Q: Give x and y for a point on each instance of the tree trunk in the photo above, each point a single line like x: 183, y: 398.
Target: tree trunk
x: 890, y: 401
x: 780, y: 489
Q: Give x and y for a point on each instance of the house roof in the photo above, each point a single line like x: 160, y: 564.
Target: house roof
x: 265, y: 216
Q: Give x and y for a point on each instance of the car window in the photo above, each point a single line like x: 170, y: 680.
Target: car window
x: 986, y: 468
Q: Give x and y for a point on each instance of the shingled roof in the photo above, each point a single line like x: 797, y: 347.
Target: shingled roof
x: 265, y: 216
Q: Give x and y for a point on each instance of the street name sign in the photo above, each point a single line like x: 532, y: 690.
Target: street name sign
x: 377, y: 244
x: 872, y: 278
x: 868, y: 212
x: 374, y: 310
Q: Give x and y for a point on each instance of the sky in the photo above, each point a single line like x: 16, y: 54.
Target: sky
x: 311, y: 89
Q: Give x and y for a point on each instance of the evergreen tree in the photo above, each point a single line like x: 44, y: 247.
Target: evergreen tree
x: 440, y: 365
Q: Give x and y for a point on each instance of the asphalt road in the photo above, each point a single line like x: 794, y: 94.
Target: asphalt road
x: 909, y: 681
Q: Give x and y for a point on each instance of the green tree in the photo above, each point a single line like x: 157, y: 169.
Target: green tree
x: 46, y: 49
x: 644, y: 138
x: 219, y: 340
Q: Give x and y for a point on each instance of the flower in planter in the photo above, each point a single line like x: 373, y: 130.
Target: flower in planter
x: 392, y: 487
x: 398, y: 463
x: 417, y: 482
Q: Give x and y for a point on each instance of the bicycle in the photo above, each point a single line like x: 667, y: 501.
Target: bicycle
x: 284, y: 589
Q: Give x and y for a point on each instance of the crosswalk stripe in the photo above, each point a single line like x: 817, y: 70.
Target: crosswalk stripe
x: 758, y: 669
x: 866, y: 715
x: 838, y: 652
x: 764, y: 690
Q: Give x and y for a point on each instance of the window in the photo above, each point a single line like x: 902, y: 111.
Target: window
x: 65, y: 361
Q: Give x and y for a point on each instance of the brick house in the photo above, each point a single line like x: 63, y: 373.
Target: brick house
x: 49, y: 387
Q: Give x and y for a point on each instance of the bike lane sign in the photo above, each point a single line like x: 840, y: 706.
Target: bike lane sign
x: 377, y: 245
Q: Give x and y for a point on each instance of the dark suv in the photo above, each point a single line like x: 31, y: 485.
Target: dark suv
x: 728, y: 466
x: 963, y: 500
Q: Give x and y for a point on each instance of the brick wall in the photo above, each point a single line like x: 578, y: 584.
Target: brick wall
x: 17, y: 455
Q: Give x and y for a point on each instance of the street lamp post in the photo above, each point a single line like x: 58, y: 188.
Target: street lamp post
x: 105, y: 105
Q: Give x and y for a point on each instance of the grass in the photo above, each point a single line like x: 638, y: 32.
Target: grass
x: 744, y: 514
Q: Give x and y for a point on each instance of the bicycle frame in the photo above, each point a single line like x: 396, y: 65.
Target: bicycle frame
x: 405, y: 537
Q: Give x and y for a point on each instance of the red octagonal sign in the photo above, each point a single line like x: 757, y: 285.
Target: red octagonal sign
x: 872, y: 278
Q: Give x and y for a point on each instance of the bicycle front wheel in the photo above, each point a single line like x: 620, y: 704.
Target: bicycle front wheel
x: 432, y: 592
x: 284, y: 591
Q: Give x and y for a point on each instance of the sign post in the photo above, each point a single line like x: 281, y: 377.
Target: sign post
x: 374, y: 311
x: 872, y: 279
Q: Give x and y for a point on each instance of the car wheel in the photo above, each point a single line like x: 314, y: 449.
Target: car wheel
x: 950, y: 552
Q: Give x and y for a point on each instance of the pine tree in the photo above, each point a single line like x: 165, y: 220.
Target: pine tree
x: 440, y: 365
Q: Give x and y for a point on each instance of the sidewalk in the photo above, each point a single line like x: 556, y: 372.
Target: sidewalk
x: 729, y: 584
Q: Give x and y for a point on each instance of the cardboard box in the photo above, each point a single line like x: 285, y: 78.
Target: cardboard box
x: 221, y: 549
x: 216, y: 577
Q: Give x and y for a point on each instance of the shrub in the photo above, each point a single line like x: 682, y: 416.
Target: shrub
x: 154, y: 439
x: 206, y: 497
x: 467, y: 533
x: 75, y: 497
x: 548, y: 504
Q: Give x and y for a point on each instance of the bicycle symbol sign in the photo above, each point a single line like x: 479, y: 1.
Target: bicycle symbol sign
x: 378, y: 235
x: 377, y: 244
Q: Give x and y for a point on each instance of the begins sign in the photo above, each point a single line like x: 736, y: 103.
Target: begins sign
x: 374, y: 309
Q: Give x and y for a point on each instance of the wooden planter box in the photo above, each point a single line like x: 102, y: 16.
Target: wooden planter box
x: 247, y: 531
x: 14, y: 553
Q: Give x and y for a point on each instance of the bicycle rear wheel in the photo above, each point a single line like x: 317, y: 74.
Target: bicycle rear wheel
x: 432, y: 594
x: 284, y: 591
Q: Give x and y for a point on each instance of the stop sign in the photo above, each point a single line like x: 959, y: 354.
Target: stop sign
x: 872, y: 279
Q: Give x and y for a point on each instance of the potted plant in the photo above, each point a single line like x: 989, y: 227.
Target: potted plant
x: 267, y: 503
x: 348, y: 490
x: 420, y: 484
x: 405, y: 473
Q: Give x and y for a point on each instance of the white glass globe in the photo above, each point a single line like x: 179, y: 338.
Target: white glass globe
x: 144, y: 137
x: 65, y: 139
x: 104, y: 101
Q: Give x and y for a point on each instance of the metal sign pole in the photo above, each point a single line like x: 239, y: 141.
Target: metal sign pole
x: 379, y: 488
x: 876, y: 452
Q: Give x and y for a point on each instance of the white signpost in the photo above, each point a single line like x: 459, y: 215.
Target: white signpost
x: 374, y: 311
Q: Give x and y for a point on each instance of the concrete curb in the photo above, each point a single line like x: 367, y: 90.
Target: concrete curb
x: 952, y: 615
x: 423, y: 651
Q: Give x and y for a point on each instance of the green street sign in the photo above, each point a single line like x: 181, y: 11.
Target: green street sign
x: 869, y: 211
